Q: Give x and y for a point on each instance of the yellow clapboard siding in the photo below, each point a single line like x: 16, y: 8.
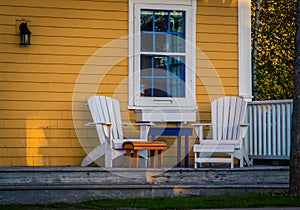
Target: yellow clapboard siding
x: 28, y: 86
x: 217, y: 29
x: 34, y: 123
x: 38, y: 77
x: 33, y: 105
x: 14, y: 118
x: 15, y: 114
x: 213, y: 72
x: 36, y: 96
x: 51, y: 143
x: 12, y: 161
x: 75, y: 143
x: 222, y: 55
x: 106, y: 33
x: 66, y: 123
x: 62, y: 50
x: 80, y: 5
x: 223, y: 47
x: 81, y: 32
x: 215, y: 37
x: 40, y: 68
x: 224, y: 81
x: 229, y: 90
x: 219, y: 64
x: 65, y: 161
x: 37, y: 59
x: 12, y: 142
x: 215, y: 19
x: 223, y: 64
x: 221, y: 10
x: 119, y: 68
x: 71, y: 41
x: 223, y: 3
x: 14, y: 122
x: 15, y: 133
x: 78, y: 22
x: 49, y: 50
x: 68, y: 13
x: 69, y: 152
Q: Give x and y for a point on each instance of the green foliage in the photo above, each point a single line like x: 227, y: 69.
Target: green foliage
x: 275, y: 49
x: 195, y: 202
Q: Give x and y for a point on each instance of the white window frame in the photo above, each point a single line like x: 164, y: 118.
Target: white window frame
x: 151, y: 108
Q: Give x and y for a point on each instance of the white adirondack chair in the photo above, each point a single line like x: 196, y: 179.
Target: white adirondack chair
x: 107, y: 119
x: 228, y: 133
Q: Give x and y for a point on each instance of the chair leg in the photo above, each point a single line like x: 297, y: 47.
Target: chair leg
x: 195, y: 157
x: 136, y: 158
x: 108, y: 159
x: 160, y: 158
x: 94, y: 155
x: 241, y: 163
x: 232, y: 161
x: 152, y: 158
x: 241, y: 159
x: 128, y: 154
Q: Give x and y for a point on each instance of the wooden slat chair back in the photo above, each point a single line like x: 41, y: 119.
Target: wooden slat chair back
x: 228, y: 129
x: 106, y: 117
x: 106, y: 111
x: 228, y: 113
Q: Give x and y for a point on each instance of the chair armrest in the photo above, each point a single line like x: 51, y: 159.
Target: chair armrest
x: 139, y: 124
x: 98, y: 123
x: 199, y: 129
x: 245, y: 125
x: 202, y: 124
x: 244, y: 129
x: 106, y: 128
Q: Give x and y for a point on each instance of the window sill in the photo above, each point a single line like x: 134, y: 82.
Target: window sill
x: 165, y: 114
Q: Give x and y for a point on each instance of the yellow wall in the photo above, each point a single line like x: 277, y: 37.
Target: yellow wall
x: 38, y: 83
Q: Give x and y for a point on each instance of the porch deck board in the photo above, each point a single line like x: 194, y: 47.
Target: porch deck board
x: 29, y: 185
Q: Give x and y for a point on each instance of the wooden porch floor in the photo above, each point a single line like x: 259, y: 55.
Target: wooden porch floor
x: 30, y: 185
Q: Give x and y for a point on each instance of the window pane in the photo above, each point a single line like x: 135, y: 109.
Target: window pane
x: 146, y: 66
x: 177, y: 43
x: 146, y: 20
x: 146, y: 87
x: 177, y: 21
x: 160, y: 89
x: 177, y: 77
x: 161, y: 21
x: 147, y: 42
x: 160, y: 66
x: 161, y: 43
x: 177, y: 66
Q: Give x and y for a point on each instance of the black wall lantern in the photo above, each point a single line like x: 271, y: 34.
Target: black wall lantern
x: 24, y: 34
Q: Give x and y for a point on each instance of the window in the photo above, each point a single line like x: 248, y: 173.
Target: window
x: 162, y: 60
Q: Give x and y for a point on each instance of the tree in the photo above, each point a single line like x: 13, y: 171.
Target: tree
x: 275, y: 48
x: 295, y: 145
x: 254, y: 47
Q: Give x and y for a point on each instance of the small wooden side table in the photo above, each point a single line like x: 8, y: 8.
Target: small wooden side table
x: 151, y: 146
